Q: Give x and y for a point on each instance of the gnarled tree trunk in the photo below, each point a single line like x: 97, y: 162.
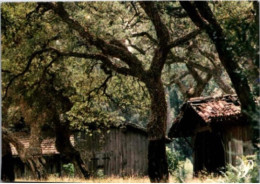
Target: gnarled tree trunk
x: 157, y: 159
x: 35, y: 162
x: 62, y: 132
x: 66, y: 149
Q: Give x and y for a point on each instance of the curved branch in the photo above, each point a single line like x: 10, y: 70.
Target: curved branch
x: 162, y: 32
x: 107, y: 48
x: 184, y: 39
x: 193, y: 14
x: 106, y: 61
x: 26, y: 69
x: 10, y: 138
x: 147, y: 35
x: 103, y: 85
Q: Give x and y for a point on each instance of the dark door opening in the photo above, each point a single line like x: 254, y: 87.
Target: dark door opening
x: 209, y: 153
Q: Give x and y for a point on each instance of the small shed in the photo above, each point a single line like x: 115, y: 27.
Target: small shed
x: 49, y: 152
x: 219, y: 131
x: 123, y: 151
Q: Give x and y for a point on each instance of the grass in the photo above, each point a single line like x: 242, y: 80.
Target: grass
x: 115, y: 179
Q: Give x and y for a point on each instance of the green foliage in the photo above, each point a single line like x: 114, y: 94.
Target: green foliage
x: 26, y: 30
x: 179, y: 167
x: 69, y: 169
x: 174, y: 159
x: 100, y: 173
x: 246, y: 171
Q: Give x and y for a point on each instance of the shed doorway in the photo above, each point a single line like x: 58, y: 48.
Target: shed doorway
x: 209, y: 154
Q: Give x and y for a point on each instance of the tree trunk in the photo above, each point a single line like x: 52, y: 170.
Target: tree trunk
x: 7, y: 171
x: 66, y: 149
x: 224, y: 86
x: 157, y: 158
x: 35, y: 162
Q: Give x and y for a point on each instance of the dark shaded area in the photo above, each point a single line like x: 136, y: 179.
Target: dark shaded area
x: 7, y: 169
x: 208, y: 153
x: 158, y: 166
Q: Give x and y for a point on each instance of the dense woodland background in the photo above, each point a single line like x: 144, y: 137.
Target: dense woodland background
x: 89, y: 65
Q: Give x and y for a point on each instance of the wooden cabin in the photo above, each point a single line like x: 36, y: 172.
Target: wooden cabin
x: 122, y: 152
x: 50, y: 154
x: 219, y: 132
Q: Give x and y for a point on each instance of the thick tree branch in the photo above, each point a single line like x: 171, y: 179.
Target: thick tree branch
x: 10, y: 138
x: 107, y: 48
x: 26, y: 69
x: 6, y: 71
x: 194, y: 73
x: 184, y: 39
x: 163, y: 36
x: 199, y: 66
x: 106, y: 61
x: 162, y: 32
x: 193, y: 14
x: 153, y: 40
x: 200, y: 86
x: 140, y: 50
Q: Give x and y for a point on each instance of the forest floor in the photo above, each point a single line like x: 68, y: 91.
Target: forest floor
x: 120, y: 180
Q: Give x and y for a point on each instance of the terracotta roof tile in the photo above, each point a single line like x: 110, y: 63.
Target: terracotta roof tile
x: 210, y: 108
x: 47, y: 145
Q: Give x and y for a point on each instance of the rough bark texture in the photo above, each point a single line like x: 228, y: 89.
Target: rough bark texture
x: 157, y: 159
x: 158, y: 166
x: 34, y: 152
x: 157, y: 124
x: 62, y: 131
x: 35, y: 162
x: 67, y: 151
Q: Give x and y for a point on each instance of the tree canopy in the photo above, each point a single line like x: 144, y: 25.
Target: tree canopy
x: 97, y: 64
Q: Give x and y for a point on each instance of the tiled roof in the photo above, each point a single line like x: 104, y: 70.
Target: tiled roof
x: 221, y: 109
x: 47, y: 145
x: 218, y: 108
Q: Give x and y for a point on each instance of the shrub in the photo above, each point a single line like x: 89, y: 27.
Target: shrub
x: 246, y: 171
x: 178, y: 166
x: 100, y: 173
x: 69, y: 169
x: 173, y: 160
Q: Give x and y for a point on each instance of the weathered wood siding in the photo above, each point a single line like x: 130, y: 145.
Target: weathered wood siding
x: 53, y: 166
x: 121, y: 152
x: 237, y: 142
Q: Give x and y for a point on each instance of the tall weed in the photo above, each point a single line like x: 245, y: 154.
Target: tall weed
x: 247, y: 171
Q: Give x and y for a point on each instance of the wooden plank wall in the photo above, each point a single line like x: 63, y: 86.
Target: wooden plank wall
x: 237, y: 142
x: 123, y: 152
